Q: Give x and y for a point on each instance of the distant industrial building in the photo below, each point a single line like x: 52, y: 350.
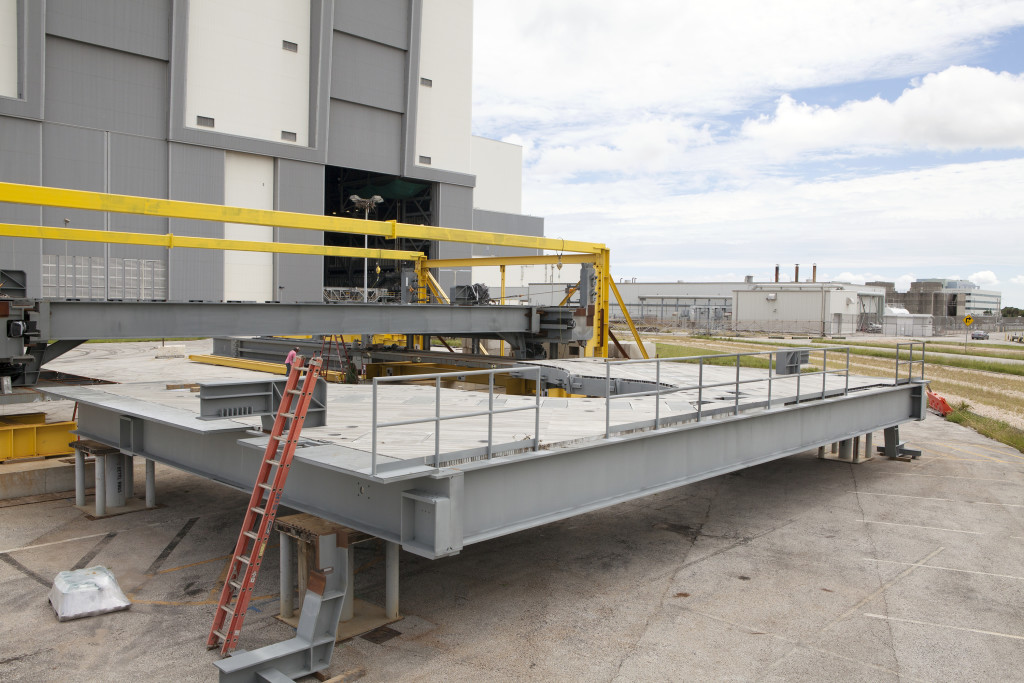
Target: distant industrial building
x: 944, y: 297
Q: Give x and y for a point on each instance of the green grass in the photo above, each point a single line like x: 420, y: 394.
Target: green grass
x: 987, y: 426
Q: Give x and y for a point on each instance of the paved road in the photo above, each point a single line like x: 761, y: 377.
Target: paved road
x: 797, y: 570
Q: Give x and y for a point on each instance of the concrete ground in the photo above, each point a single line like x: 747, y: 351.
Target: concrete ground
x: 799, y: 569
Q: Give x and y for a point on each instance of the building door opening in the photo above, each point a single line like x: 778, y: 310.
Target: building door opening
x: 405, y: 201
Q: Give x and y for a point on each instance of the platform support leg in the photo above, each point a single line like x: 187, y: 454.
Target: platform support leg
x: 150, y: 484
x: 287, y: 577
x: 129, y: 476
x: 835, y: 447
x: 79, y: 478
x: 868, y: 451
x: 391, y: 580
x: 101, y: 485
x: 856, y: 449
x: 846, y: 449
x: 892, y: 442
x: 821, y: 452
x: 348, y: 604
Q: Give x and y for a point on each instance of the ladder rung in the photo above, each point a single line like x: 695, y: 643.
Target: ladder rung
x: 289, y: 415
x: 275, y: 463
x: 245, y: 559
x: 259, y: 510
x: 236, y: 584
x: 228, y: 610
x: 297, y: 392
x: 268, y: 487
x: 221, y: 635
x: 251, y: 534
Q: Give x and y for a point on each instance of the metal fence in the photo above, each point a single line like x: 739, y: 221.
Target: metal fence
x: 438, y: 418
x: 700, y: 386
x: 804, y: 382
x: 910, y: 362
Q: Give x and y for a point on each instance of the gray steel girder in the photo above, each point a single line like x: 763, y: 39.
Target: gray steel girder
x: 436, y: 513
x: 124, y: 319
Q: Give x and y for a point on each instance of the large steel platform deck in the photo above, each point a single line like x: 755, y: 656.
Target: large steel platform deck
x: 492, y: 472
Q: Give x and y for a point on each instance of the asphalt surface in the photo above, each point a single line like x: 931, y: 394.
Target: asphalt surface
x: 796, y: 570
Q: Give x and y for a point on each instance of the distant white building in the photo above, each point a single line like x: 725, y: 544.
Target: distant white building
x: 817, y: 308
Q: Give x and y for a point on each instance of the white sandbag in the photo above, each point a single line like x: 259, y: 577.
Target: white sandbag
x: 86, y: 592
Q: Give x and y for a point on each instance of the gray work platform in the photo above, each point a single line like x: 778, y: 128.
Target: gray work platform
x: 436, y: 492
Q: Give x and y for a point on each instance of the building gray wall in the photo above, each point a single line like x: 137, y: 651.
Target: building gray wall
x: 102, y: 96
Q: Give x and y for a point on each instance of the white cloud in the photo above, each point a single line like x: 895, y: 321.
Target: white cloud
x: 985, y: 279
x: 1018, y: 280
x: 958, y: 108
x: 562, y: 61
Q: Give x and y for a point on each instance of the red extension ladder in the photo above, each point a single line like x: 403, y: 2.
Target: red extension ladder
x: 259, y: 517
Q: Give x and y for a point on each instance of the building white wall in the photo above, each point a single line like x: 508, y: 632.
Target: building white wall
x: 238, y: 72
x: 248, y: 182
x: 8, y: 48
x: 498, y: 167
x: 444, y: 108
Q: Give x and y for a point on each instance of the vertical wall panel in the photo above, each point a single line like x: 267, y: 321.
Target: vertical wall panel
x: 444, y: 109
x: 21, y: 162
x: 248, y: 182
x: 365, y: 137
x: 368, y: 73
x: 73, y: 158
x: 138, y: 166
x: 9, y: 48
x: 196, y: 175
x: 138, y: 26
x: 300, y: 187
x: 388, y: 23
x: 105, y: 89
x: 454, y: 210
x: 239, y: 75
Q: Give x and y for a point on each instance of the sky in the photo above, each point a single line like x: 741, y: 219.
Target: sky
x: 706, y: 141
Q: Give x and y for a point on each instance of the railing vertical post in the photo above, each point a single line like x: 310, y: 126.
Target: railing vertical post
x: 771, y: 374
x: 536, y: 415
x: 490, y: 414
x: 437, y: 421
x: 798, y: 373
x: 847, y: 389
x: 373, y: 432
x: 897, y: 364
x: 736, y: 405
x: 657, y: 395
x: 824, y: 371
x: 607, y: 399
x: 922, y: 358
x: 700, y: 388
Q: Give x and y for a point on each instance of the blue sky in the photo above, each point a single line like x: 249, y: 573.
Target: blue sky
x: 707, y: 141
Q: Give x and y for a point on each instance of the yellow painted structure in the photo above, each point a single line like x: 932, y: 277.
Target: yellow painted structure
x: 30, y: 436
x: 568, y: 251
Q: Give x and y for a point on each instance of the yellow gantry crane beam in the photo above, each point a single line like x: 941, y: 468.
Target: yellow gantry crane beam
x: 170, y: 241
x: 569, y: 251
x: 169, y: 208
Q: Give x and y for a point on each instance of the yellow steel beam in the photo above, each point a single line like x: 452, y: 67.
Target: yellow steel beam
x: 170, y: 241
x: 169, y: 208
x: 572, y: 290
x: 511, y: 260
x: 435, y: 287
x: 629, y: 319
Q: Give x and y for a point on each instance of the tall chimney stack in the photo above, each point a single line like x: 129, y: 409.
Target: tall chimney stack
x: 796, y: 273
x: 814, y: 272
x: 776, y: 272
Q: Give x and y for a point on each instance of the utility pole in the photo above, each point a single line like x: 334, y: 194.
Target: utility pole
x: 366, y: 205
